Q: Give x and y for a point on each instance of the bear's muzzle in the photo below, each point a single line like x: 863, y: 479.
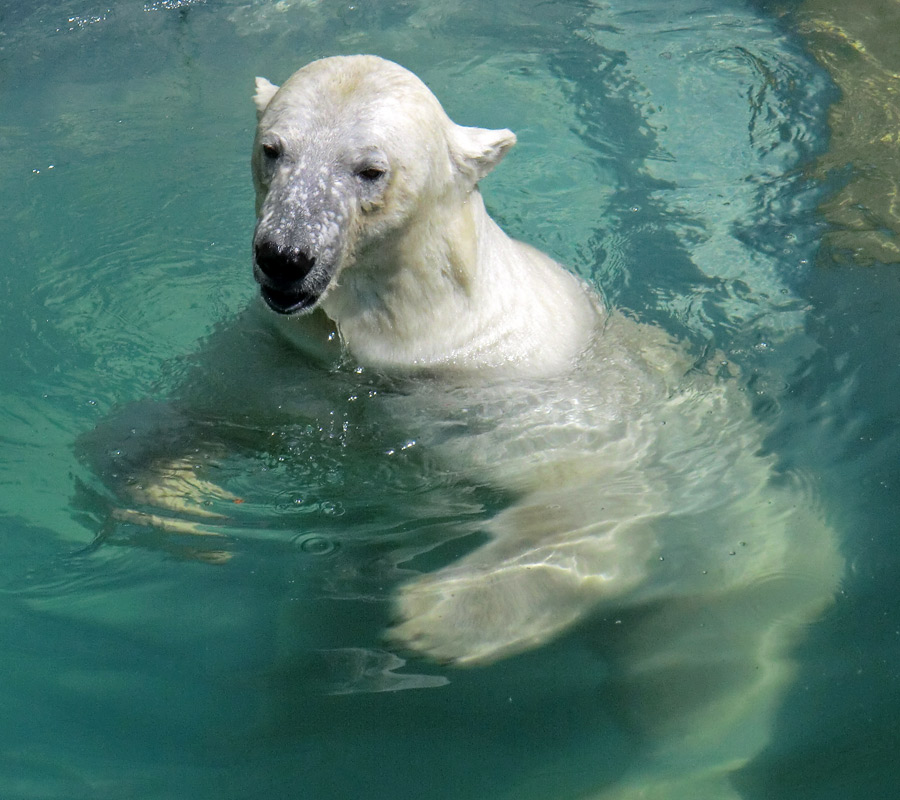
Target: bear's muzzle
x: 281, y: 275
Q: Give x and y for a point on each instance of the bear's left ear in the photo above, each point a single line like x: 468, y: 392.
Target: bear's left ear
x: 265, y: 91
x: 476, y: 151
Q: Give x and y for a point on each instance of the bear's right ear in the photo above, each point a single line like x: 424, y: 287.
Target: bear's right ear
x: 477, y: 151
x: 265, y: 91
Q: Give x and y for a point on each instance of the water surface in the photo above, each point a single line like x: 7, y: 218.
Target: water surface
x: 667, y: 152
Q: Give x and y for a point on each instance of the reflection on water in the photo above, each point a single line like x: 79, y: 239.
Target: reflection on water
x: 857, y: 43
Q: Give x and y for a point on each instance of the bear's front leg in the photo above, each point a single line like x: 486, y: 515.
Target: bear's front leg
x: 148, y: 455
x: 158, y: 457
x: 548, y: 565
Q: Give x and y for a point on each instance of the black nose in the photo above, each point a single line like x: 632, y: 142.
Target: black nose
x: 282, y: 266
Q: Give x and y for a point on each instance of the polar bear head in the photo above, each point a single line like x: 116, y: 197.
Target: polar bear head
x: 350, y: 153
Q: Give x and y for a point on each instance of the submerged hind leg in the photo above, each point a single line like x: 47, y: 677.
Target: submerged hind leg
x: 699, y: 678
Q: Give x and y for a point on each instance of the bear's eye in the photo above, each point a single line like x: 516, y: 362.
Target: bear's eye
x: 271, y: 150
x: 370, y: 173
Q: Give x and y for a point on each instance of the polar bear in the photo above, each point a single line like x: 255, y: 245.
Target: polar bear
x: 393, y: 241
x: 641, y: 501
x: 638, y: 476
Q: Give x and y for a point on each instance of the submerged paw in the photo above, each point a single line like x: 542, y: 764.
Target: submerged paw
x: 440, y: 622
x: 472, y: 618
x: 176, y: 487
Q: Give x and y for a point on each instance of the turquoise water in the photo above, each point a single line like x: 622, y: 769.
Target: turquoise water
x: 661, y: 154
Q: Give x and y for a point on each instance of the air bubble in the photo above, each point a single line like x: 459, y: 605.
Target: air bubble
x: 332, y: 509
x: 315, y: 545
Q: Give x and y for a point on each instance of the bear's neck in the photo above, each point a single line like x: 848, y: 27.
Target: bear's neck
x: 454, y: 293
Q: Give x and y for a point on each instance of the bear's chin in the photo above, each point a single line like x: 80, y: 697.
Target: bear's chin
x: 296, y: 302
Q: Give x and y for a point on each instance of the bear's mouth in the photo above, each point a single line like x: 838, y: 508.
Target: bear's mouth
x: 293, y: 301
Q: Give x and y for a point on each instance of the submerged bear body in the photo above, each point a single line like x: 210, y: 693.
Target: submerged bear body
x: 638, y: 486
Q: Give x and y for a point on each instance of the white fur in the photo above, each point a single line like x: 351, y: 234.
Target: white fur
x: 425, y: 279
x: 265, y: 91
x: 638, y: 481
